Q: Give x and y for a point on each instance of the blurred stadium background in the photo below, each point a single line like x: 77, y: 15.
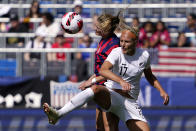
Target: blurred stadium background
x: 33, y: 72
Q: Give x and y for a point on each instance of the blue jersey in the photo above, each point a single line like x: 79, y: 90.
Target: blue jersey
x: 104, y: 48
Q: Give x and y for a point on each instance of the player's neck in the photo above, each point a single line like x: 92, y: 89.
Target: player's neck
x: 131, y: 52
x: 107, y: 36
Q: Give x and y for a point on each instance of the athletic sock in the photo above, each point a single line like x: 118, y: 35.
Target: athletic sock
x: 77, y: 101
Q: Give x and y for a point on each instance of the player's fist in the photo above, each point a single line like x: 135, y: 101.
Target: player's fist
x: 165, y: 96
x: 125, y: 85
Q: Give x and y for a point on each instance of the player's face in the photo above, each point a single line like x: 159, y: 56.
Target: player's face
x: 98, y: 30
x: 128, y: 42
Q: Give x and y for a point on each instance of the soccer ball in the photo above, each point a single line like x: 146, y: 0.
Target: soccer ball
x: 72, y: 22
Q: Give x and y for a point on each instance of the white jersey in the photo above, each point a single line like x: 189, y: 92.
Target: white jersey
x: 129, y: 68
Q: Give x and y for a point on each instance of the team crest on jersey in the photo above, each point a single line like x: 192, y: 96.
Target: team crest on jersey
x: 141, y: 64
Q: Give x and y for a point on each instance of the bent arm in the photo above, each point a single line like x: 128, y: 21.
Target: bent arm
x: 90, y: 81
x: 108, y: 74
x: 98, y: 78
x: 155, y: 83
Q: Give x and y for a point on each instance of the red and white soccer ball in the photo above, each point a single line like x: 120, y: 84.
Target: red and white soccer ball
x: 72, y: 22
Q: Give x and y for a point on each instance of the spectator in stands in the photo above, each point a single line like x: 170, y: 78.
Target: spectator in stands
x: 34, y: 12
x: 48, y: 26
x: 145, y: 34
x: 87, y: 42
x: 193, y: 39
x: 60, y: 42
x: 4, y: 12
x: 16, y: 27
x: 136, y: 22
x: 79, y: 9
x: 79, y: 67
x: 181, y: 40
x: 191, y: 23
x: 37, y: 43
x: 161, y: 36
x: 3, y: 27
x: 78, y: 6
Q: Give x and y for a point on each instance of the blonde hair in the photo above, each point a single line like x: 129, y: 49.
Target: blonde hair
x: 133, y: 29
x: 108, y: 22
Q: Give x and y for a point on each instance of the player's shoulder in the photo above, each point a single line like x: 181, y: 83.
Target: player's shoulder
x: 115, y: 39
x: 144, y: 52
x: 117, y: 49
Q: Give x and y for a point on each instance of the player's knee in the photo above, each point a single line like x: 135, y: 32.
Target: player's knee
x: 137, y: 125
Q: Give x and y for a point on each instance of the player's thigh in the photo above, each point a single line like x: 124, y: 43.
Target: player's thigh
x: 102, y: 96
x: 112, y: 120
x: 137, y: 125
x: 99, y: 120
x: 105, y: 121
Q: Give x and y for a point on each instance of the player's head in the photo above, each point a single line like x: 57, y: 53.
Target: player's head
x: 129, y: 40
x: 106, y: 24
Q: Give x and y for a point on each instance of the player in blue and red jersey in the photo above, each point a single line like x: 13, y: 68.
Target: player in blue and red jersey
x: 104, y: 48
x: 108, y: 42
x: 105, y: 27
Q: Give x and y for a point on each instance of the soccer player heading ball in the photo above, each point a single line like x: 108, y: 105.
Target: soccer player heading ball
x: 121, y: 90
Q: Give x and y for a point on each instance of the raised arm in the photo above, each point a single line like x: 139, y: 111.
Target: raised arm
x: 155, y: 83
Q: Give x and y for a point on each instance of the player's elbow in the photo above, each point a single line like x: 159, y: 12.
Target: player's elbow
x: 102, y: 71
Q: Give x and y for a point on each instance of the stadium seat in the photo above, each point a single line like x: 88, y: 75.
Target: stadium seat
x: 56, y: 68
x: 60, y: 11
x: 132, y: 12
x: 31, y: 68
x: 8, y: 67
x: 117, y: 1
x: 157, y: 12
x: 44, y: 9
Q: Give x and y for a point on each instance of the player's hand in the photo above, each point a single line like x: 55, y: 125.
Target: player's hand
x: 85, y: 84
x: 165, y: 96
x: 125, y: 85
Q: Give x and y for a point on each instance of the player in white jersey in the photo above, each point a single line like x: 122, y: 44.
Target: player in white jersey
x: 128, y: 63
x: 123, y: 69
x: 128, y: 68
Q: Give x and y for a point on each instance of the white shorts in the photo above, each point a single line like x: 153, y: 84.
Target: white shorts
x: 125, y: 108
